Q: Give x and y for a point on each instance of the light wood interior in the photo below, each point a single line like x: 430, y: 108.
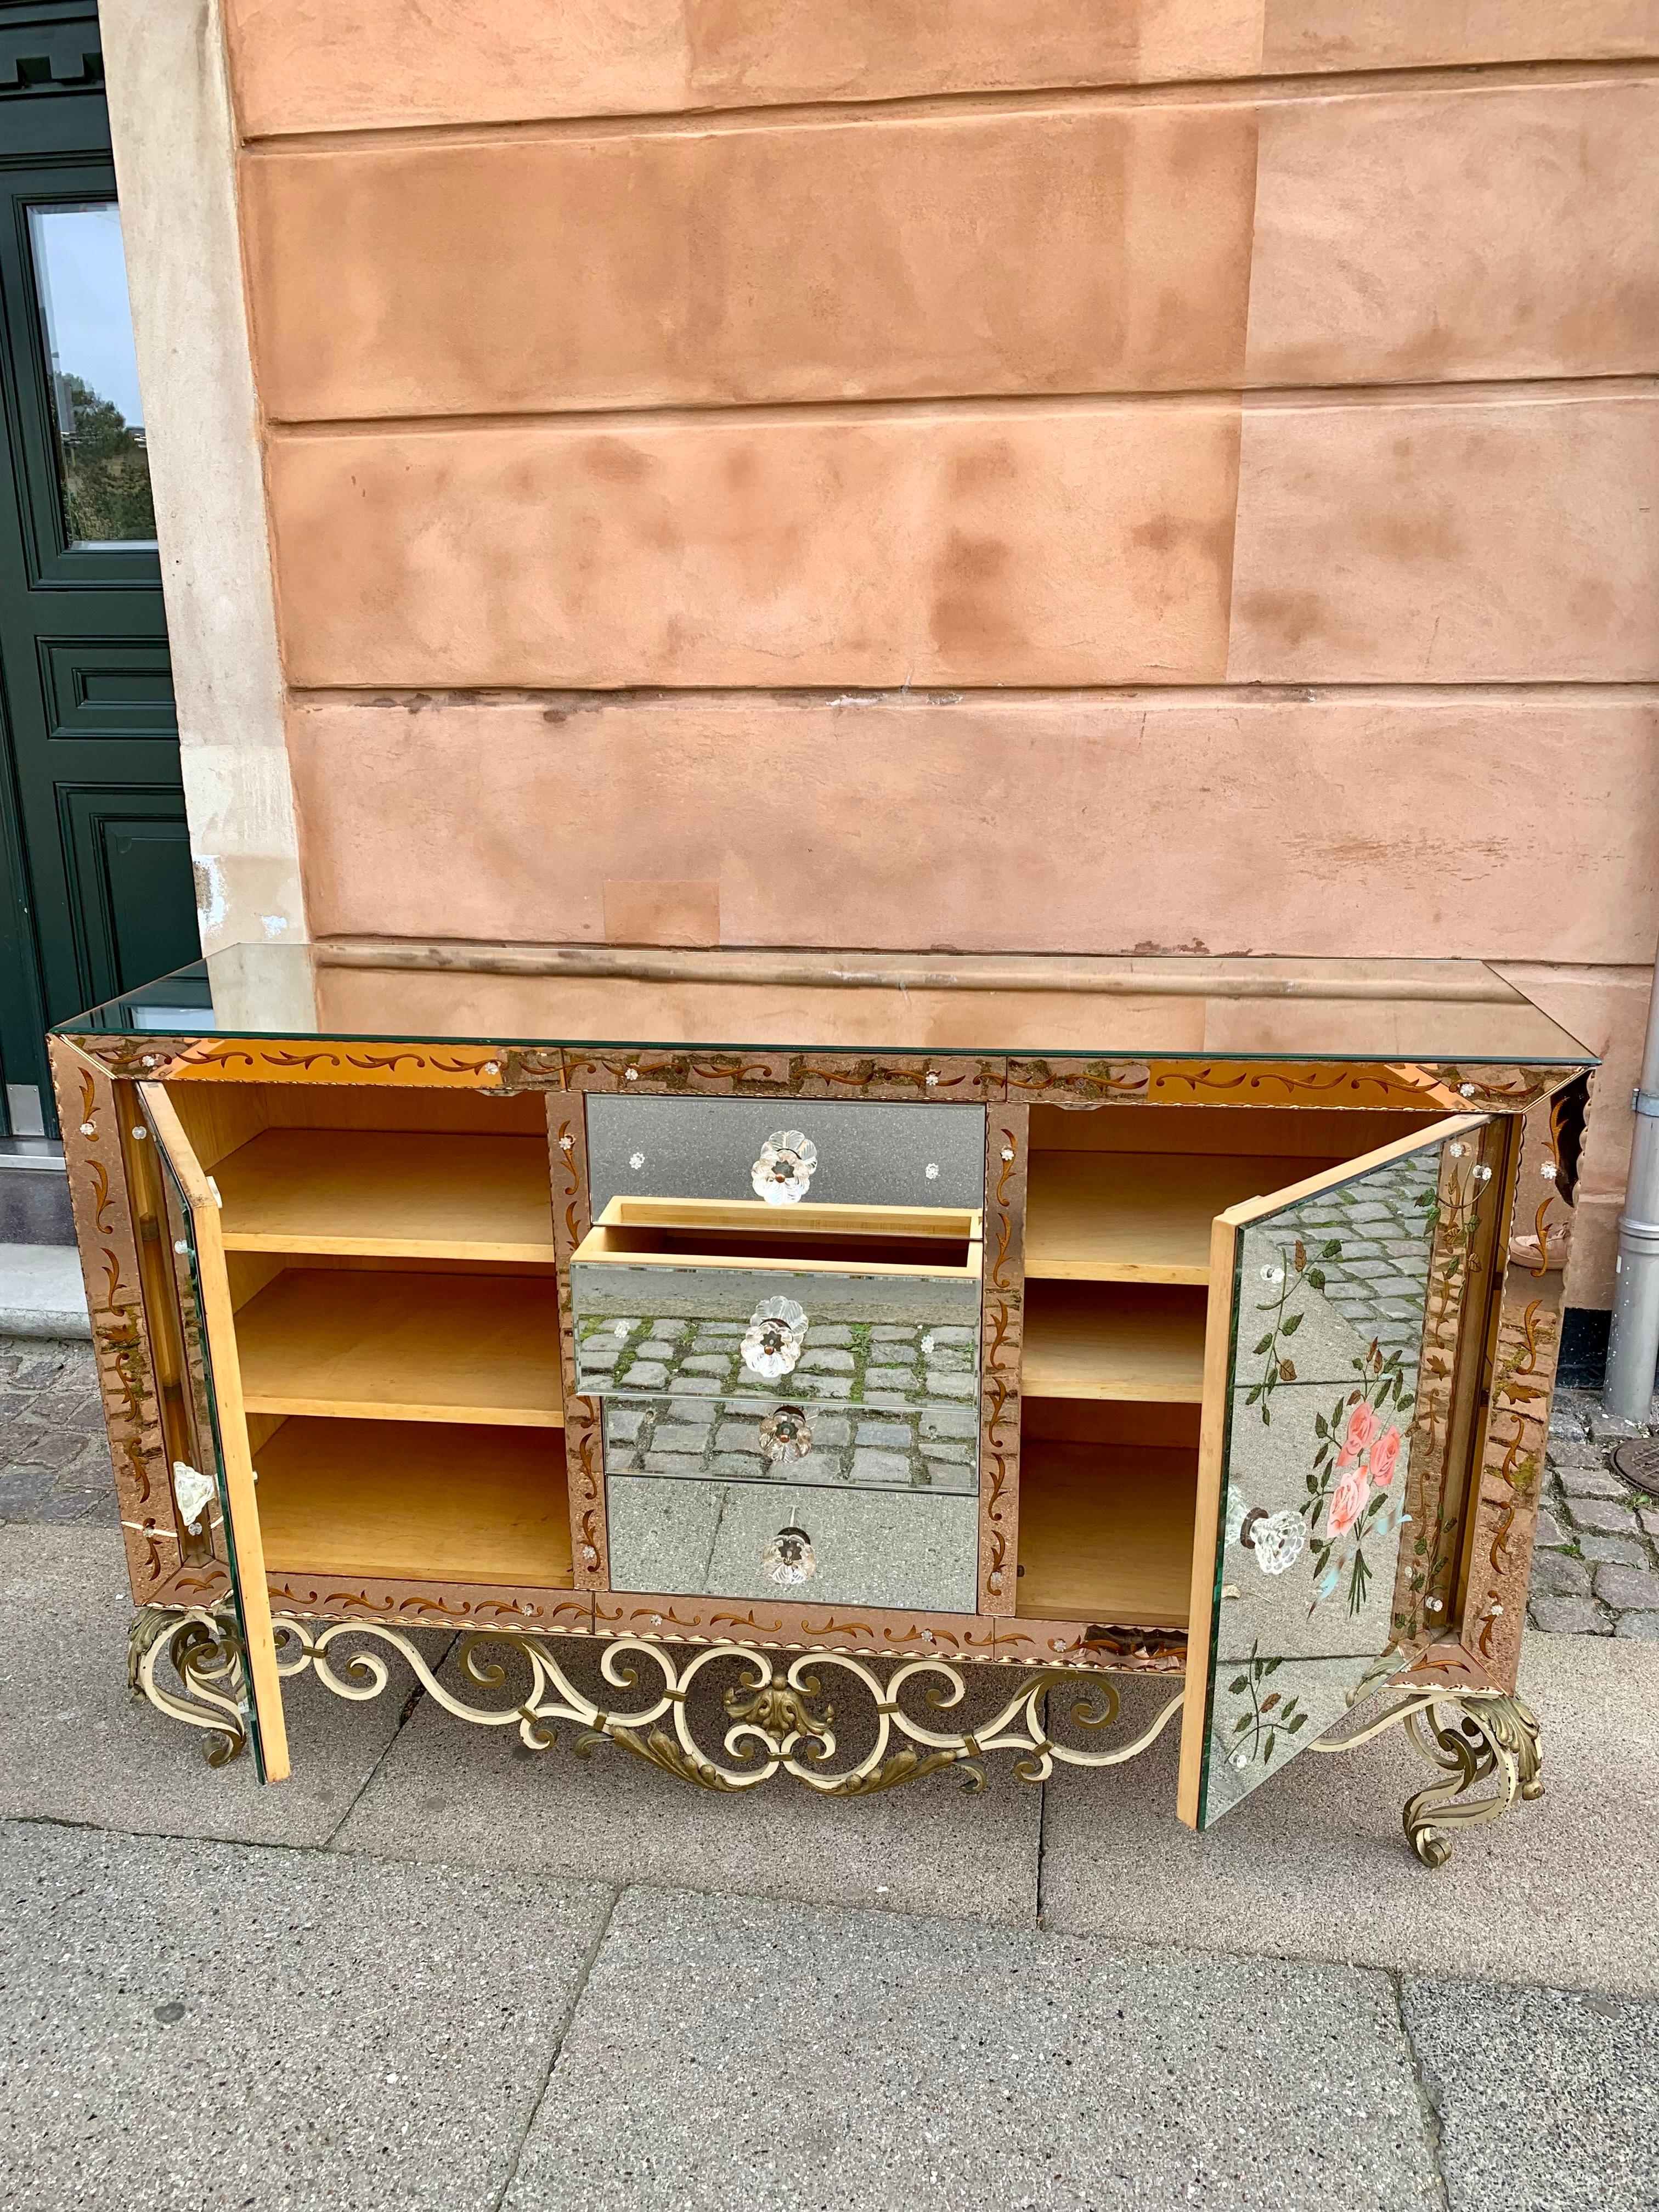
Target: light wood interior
x: 670, y: 1246
x: 449, y: 1505
x: 1256, y: 1132
x: 353, y: 1345
x: 1105, y: 1533
x: 956, y: 1223
x: 396, y: 1194
x: 1114, y: 1341
x: 1112, y: 1217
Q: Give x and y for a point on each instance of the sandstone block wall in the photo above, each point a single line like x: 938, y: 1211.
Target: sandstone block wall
x: 974, y: 473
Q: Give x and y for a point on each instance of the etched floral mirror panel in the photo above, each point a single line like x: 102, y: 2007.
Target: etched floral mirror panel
x: 1335, y: 1435
x: 190, y: 1482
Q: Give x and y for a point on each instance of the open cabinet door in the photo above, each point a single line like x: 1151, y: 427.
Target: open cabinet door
x: 1330, y: 1345
x: 202, y: 1285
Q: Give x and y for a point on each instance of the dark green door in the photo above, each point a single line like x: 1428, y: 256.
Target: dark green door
x: 97, y: 893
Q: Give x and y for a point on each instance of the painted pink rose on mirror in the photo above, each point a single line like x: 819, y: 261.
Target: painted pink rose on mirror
x: 1347, y: 1499
x: 1385, y: 1456
x: 1362, y: 1427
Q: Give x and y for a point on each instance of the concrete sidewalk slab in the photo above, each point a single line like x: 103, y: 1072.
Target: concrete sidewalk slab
x: 475, y: 1797
x: 74, y: 1745
x: 211, y: 2025
x: 1566, y: 1890
x: 1547, y: 2101
x: 727, y: 2053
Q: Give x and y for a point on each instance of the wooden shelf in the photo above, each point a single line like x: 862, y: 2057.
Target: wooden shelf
x: 355, y: 1345
x: 1106, y: 1533
x: 1138, y: 1217
x: 1105, y: 1340
x: 451, y: 1505
x: 390, y: 1194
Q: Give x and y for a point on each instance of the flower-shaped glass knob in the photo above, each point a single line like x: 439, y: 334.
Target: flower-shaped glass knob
x: 193, y: 1491
x: 785, y: 1434
x: 789, y: 1557
x: 782, y: 1174
x: 777, y: 1328
x: 1278, y: 1539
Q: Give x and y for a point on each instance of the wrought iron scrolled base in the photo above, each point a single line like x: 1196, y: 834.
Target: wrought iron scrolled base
x: 1474, y: 1737
x: 780, y: 1717
x: 206, y: 1653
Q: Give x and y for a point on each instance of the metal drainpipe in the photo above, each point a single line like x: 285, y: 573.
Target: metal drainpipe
x: 1633, y: 1345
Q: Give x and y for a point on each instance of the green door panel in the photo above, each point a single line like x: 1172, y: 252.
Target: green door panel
x: 96, y: 892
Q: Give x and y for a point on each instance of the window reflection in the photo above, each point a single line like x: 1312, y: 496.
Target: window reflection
x: 80, y: 271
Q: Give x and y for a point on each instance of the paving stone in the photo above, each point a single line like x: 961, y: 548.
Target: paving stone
x: 1619, y: 1551
x: 831, y: 1332
x: 885, y: 1401
x: 897, y: 1355
x: 23, y: 1489
x: 669, y: 1436
x: 1569, y: 1616
x: 707, y: 1363
x: 624, y: 1422
x: 885, y: 1435
x: 708, y: 1386
x: 670, y: 1462
x: 646, y: 1375
x: 1605, y: 1515
x: 1549, y: 1530
x: 975, y: 2069
x: 1545, y: 2100
x: 953, y: 1335
x: 1644, y: 1626
x: 947, y: 1449
x: 826, y: 1362
x: 378, y: 2032
x: 885, y: 1332
x: 941, y: 1385
x: 1648, y: 1518
x: 1605, y: 1427
x: 716, y: 1329
x: 1628, y: 1588
x: 1591, y: 1481
x: 742, y: 1466
x: 949, y: 1421
x: 1313, y: 1864
x: 1557, y: 1574
x: 473, y: 1797
x: 76, y: 1746
x: 885, y: 1468
x: 899, y: 1381
x: 1567, y: 1422
x: 600, y: 1351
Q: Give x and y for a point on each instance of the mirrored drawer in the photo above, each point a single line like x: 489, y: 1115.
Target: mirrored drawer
x: 700, y: 1299
x: 854, y: 1153
x: 786, y: 1442
x: 760, y: 1539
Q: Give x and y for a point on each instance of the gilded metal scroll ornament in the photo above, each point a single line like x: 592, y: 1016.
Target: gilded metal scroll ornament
x: 1475, y: 1737
x: 781, y: 1718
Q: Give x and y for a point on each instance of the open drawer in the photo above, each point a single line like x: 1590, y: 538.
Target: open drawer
x: 713, y: 1297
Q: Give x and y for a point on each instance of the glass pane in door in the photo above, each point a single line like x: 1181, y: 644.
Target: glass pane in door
x: 97, y: 417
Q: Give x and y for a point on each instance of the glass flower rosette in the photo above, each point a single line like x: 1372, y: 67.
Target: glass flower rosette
x: 777, y: 1332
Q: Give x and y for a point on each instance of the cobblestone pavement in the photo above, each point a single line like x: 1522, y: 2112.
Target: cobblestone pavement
x: 1596, y: 1572
x: 1596, y: 1568
x: 54, y: 1455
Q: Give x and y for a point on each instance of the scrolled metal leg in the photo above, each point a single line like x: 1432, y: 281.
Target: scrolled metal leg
x: 206, y: 1654
x: 1487, y: 1739
x: 1474, y: 1736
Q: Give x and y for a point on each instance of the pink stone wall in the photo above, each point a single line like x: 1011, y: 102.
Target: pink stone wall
x: 974, y: 473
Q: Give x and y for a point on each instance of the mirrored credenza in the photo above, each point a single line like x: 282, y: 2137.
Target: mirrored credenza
x: 886, y: 1355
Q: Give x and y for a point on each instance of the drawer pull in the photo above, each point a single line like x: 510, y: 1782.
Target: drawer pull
x: 789, y: 1556
x: 785, y: 1434
x: 782, y: 1174
x: 777, y: 1329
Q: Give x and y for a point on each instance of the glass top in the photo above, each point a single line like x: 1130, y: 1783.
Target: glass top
x: 1042, y: 1006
